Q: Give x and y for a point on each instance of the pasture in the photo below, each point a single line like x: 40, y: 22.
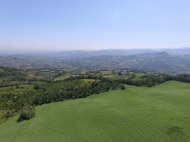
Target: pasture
x: 45, y: 73
x: 64, y: 76
x: 137, y: 114
x: 116, y: 76
x: 87, y: 80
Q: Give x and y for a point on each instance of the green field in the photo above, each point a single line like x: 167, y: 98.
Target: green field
x: 137, y: 114
x: 117, y: 76
x: 138, y: 76
x: 88, y: 80
x: 64, y: 76
x: 46, y: 73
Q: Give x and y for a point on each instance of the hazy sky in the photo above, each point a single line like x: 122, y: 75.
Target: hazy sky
x: 94, y: 24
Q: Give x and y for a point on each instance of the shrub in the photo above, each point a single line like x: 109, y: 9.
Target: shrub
x: 8, y: 114
x: 27, y: 112
x: 122, y: 87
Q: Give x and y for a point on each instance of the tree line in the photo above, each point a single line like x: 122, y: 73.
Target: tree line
x: 152, y: 80
x: 72, y: 88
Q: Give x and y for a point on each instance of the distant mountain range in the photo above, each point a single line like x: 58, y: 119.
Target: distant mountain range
x: 154, y: 62
x: 165, y: 60
x: 89, y: 53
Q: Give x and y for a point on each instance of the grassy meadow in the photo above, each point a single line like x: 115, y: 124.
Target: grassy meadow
x: 137, y: 114
x: 64, y: 76
x: 116, y: 76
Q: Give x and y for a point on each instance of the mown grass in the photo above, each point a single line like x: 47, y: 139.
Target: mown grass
x: 159, y: 114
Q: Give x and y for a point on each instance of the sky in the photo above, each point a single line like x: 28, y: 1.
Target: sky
x: 94, y: 24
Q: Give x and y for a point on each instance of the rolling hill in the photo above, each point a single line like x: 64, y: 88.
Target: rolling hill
x: 173, y: 61
x: 150, y: 62
x: 160, y: 113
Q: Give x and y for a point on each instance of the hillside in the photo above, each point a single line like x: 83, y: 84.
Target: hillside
x: 160, y: 113
x: 150, y: 62
x: 172, y: 61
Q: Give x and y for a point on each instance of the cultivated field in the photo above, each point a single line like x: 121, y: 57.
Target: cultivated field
x: 137, y: 114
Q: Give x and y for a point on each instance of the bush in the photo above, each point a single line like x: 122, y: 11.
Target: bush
x: 122, y: 87
x: 27, y: 112
x: 8, y: 114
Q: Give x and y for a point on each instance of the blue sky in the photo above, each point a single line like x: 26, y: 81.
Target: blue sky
x: 94, y: 24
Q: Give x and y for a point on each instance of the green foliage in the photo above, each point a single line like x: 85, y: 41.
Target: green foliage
x: 6, y: 71
x: 27, y: 112
x: 73, y: 87
x: 122, y: 87
x: 13, y: 102
x: 8, y: 114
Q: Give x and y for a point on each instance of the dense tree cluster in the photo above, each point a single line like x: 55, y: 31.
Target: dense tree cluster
x: 73, y: 88
x: 12, y: 102
x: 6, y: 71
x: 152, y: 80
